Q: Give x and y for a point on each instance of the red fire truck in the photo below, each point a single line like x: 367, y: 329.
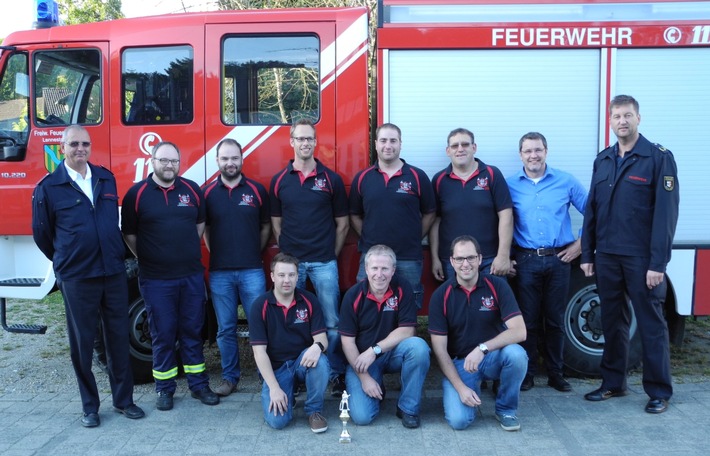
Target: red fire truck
x: 499, y: 68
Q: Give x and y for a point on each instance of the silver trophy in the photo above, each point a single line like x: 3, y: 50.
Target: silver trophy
x: 345, y: 417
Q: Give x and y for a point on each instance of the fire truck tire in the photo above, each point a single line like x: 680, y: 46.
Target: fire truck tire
x: 584, y: 341
x: 141, y: 351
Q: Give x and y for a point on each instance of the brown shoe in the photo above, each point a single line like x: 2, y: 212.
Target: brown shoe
x: 317, y: 423
x: 225, y: 388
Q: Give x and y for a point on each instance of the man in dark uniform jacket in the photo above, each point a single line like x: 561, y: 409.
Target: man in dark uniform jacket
x: 629, y: 224
x: 75, y: 224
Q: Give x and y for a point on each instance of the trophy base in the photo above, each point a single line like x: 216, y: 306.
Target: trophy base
x: 345, y: 439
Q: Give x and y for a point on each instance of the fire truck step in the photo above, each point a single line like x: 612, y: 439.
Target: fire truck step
x: 21, y: 282
x: 18, y: 328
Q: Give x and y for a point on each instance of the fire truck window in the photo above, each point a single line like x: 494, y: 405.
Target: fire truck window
x: 14, y: 97
x: 65, y: 87
x: 157, y: 85
x: 271, y: 80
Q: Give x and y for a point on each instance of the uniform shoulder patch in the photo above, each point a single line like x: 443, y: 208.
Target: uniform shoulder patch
x: 669, y: 183
x: 660, y: 147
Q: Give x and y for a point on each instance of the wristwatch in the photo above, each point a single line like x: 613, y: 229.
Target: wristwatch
x: 322, y: 348
x: 483, y: 348
x: 377, y: 350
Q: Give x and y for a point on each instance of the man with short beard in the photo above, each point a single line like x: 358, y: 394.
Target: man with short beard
x: 163, y: 218
x: 237, y: 229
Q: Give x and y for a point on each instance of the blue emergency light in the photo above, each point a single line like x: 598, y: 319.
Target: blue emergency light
x: 46, y: 13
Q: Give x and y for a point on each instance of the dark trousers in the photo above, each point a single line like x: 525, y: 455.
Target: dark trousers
x: 176, y: 313
x: 86, y: 301
x: 617, y: 276
x: 542, y: 283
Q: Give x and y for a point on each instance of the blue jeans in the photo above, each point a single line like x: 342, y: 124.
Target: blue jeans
x: 542, y: 283
x: 316, y: 380
x: 226, y: 287
x: 411, y: 359
x: 410, y: 270
x: 508, y: 364
x: 324, y: 277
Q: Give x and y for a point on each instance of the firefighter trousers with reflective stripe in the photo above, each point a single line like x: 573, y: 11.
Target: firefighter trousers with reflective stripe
x: 176, y: 314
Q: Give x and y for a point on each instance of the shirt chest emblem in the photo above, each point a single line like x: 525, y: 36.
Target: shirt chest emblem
x: 405, y: 187
x: 487, y: 304
x: 481, y: 183
x: 184, y: 200
x: 320, y: 184
x: 391, y: 305
x: 247, y: 200
x: 301, y: 316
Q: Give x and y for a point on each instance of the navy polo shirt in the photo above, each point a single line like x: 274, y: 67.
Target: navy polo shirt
x: 165, y: 223
x: 470, y: 207
x: 234, y: 217
x: 471, y: 318
x: 308, y: 206
x: 370, y: 320
x: 285, y: 332
x: 392, y: 208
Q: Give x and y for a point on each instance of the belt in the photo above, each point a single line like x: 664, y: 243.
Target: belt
x: 542, y: 251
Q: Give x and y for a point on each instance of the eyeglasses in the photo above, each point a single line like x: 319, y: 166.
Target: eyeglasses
x: 530, y: 151
x: 75, y: 144
x: 469, y: 259
x: 165, y: 161
x: 465, y: 145
x: 302, y: 139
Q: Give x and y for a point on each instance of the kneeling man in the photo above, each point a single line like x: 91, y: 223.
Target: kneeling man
x: 378, y: 318
x: 475, y: 326
x: 287, y: 335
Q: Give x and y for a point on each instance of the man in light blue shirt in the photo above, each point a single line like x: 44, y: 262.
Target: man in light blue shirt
x: 544, y: 247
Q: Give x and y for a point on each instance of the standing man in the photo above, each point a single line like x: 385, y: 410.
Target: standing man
x: 392, y: 203
x: 475, y: 328
x: 75, y: 224
x: 288, y: 337
x: 237, y: 229
x: 377, y: 325
x: 469, y: 186
x: 544, y: 248
x: 163, y: 218
x: 309, y: 215
x: 627, y: 238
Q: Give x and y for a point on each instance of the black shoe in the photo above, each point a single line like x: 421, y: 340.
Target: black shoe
x: 90, y: 420
x: 603, y: 394
x: 495, y: 387
x: 657, y: 406
x: 206, y: 396
x: 559, y: 383
x: 528, y: 383
x: 164, y: 401
x: 408, y: 421
x: 338, y: 386
x: 132, y: 411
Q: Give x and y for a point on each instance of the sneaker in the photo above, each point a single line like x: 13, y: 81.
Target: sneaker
x: 164, y: 401
x: 317, y: 423
x: 338, y: 386
x: 206, y: 396
x: 226, y: 388
x: 508, y: 422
